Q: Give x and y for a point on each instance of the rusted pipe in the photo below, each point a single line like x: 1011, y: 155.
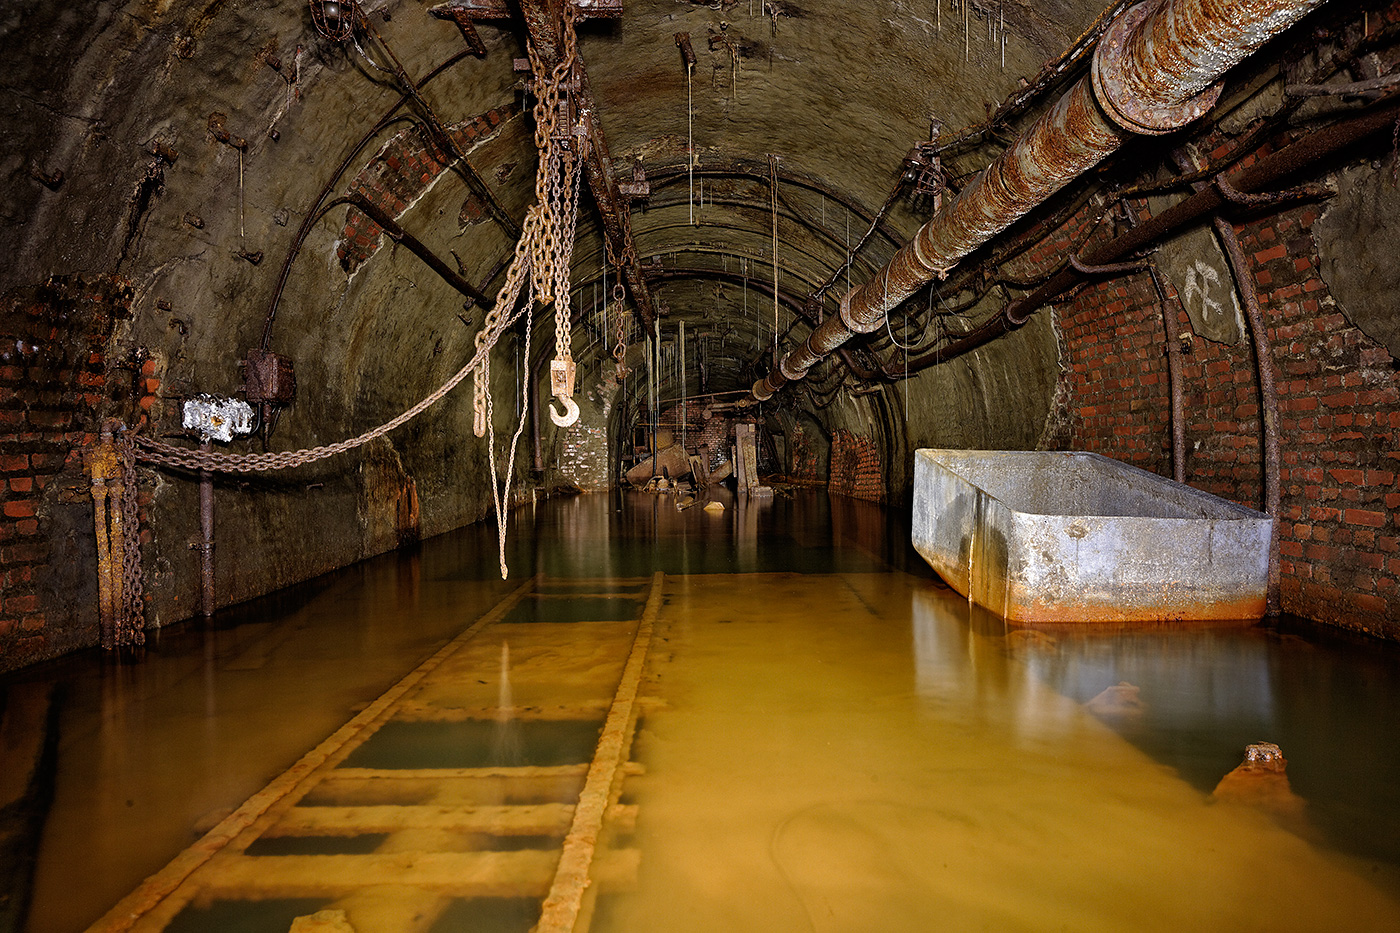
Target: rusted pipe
x: 1051, y: 72
x: 1263, y: 361
x: 1154, y: 71
x: 1171, y: 333
x: 1270, y: 168
x: 1112, y: 268
x: 1268, y: 392
x: 399, y: 235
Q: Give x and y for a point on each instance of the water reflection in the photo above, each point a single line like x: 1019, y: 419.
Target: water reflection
x: 1192, y: 697
x: 505, y: 740
x: 1333, y: 707
x: 834, y: 730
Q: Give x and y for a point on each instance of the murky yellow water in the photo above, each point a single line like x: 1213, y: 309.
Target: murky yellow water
x: 843, y: 753
x: 830, y: 740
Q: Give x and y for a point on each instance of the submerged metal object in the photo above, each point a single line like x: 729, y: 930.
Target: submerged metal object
x: 1051, y: 536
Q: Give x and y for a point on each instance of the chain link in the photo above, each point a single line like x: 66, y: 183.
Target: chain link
x: 131, y: 615
x: 620, y: 345
x: 542, y: 255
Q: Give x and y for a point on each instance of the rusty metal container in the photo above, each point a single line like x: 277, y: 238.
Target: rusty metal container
x: 1052, y: 536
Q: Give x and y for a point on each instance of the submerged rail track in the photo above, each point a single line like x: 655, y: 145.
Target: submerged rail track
x: 485, y: 780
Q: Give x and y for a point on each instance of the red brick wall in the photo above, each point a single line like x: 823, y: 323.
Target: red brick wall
x: 58, y: 381
x: 399, y: 174
x: 1339, y: 401
x: 855, y: 468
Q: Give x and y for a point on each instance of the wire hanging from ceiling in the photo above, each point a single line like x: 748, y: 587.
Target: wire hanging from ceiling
x: 773, y: 200
x: 690, y: 134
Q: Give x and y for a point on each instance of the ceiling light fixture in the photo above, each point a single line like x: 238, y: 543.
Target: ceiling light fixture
x: 335, y: 19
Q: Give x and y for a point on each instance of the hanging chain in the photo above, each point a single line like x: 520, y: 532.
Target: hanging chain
x: 131, y: 621
x: 541, y: 254
x: 620, y: 345
x: 619, y: 297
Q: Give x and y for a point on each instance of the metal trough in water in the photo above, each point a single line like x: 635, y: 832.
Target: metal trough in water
x: 1051, y: 536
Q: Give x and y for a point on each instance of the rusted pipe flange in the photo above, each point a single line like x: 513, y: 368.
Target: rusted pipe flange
x: 761, y: 390
x: 1150, y: 116
x: 792, y: 375
x: 852, y: 325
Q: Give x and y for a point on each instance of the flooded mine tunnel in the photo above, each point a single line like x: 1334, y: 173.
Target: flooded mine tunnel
x: 640, y: 465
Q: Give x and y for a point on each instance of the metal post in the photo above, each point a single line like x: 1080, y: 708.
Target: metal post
x: 653, y: 362
x: 206, y: 545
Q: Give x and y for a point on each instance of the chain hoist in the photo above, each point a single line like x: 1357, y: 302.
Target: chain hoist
x: 542, y: 257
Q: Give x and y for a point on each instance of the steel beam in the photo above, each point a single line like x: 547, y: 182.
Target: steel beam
x: 1154, y: 70
x: 398, y: 234
x: 544, y: 21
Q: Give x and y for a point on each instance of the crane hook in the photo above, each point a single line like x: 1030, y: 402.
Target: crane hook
x: 569, y: 415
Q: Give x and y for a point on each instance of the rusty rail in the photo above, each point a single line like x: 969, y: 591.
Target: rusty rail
x: 1154, y: 70
x: 565, y: 902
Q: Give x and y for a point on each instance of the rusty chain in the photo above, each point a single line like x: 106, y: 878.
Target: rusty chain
x: 620, y: 345
x: 131, y: 616
x: 542, y: 254
x: 619, y: 297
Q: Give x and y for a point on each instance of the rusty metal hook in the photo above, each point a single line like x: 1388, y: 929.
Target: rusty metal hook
x: 569, y: 415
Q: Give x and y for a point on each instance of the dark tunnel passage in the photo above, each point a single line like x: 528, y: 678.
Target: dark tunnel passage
x: 688, y: 295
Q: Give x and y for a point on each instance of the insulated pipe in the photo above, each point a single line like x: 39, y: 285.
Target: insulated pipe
x: 1154, y: 71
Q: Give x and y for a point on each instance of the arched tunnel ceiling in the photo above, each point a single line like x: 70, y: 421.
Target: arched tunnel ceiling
x: 266, y: 126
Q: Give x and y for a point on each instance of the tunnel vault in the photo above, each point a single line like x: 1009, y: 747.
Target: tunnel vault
x: 205, y: 196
